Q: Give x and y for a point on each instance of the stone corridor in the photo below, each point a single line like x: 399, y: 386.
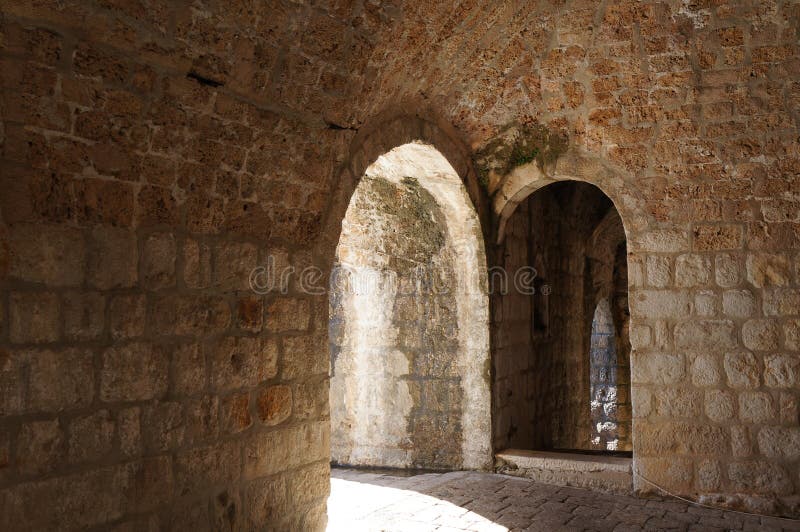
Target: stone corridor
x: 363, y: 500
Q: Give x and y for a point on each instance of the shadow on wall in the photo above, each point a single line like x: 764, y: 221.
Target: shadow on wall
x: 409, y: 320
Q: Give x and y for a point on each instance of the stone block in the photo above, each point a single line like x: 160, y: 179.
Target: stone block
x: 659, y: 304
x: 45, y: 380
x: 705, y: 370
x: 678, y: 403
x: 657, y: 368
x: 779, y: 442
x: 235, y: 413
x: 113, y: 258
x: 308, y: 484
x: 692, y: 270
x: 196, y: 264
x: 91, y: 437
x: 265, y: 501
x: 126, y: 315
x: 738, y: 303
x: 163, y: 426
x: 759, y: 477
x: 188, y: 369
x: 659, y: 271
x: 41, y: 447
x: 130, y: 431
x: 233, y: 264
x: 756, y: 407
x: 158, y: 261
x: 304, y: 356
x: 742, y: 370
x: 663, y: 241
x: 765, y: 269
x: 207, y: 466
x: 243, y: 362
x: 84, y: 315
x: 726, y: 271
x: 274, y: 404
x: 54, y: 256
x: 35, y: 317
x: 705, y: 304
x: 782, y: 371
x: 133, y: 372
x: 761, y: 335
x: 288, y: 314
x: 717, y: 237
x: 182, y: 315
x: 250, y: 313
x: 720, y: 405
x: 791, y: 334
x: 713, y: 335
x: 782, y: 302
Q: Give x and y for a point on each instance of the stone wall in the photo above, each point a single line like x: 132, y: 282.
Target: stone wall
x: 240, y: 125
x: 545, y: 375
x: 143, y: 384
x: 403, y: 321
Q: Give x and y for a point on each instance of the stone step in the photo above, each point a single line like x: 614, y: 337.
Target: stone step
x: 611, y: 474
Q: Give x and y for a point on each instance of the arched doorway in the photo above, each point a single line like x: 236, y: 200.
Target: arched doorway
x: 562, y: 378
x: 409, y: 320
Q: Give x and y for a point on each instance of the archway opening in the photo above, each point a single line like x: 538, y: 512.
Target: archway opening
x: 561, y: 370
x: 408, y: 326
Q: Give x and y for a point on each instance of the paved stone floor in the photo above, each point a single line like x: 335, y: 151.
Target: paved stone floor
x: 362, y: 500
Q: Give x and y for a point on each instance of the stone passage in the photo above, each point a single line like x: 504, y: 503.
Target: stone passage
x: 473, y: 501
x: 561, y: 362
x: 408, y: 320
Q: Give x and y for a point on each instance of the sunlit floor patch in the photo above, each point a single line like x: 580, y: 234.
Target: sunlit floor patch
x: 388, y: 501
x: 366, y: 501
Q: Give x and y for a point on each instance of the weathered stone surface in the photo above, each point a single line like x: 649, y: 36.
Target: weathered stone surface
x: 239, y: 362
x: 91, y: 437
x: 113, y: 259
x: 738, y: 303
x: 158, y: 261
x: 782, y: 442
x: 133, y: 372
x: 657, y: 368
x: 760, y: 335
x: 742, y: 370
x: 768, y: 270
x: 54, y: 256
x: 188, y: 368
x: 274, y: 404
x: 84, y: 315
x: 35, y: 317
x: 713, y: 335
x: 127, y: 315
x: 42, y: 447
x: 719, y: 405
x: 756, y: 407
x: 189, y: 315
x: 781, y: 371
x: 705, y: 370
x: 288, y: 314
x: 692, y: 270
x: 45, y: 380
x: 660, y: 304
x: 759, y: 477
x: 233, y: 263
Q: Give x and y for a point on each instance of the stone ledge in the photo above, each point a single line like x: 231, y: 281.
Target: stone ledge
x: 611, y: 474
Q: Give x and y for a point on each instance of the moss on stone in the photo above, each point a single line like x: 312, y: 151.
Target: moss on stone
x: 517, y: 144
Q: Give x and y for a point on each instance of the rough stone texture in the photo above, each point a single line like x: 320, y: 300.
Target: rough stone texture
x: 478, y: 501
x: 684, y: 113
x: 561, y: 353
x: 408, y: 321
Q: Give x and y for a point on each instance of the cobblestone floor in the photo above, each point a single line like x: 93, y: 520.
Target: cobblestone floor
x: 363, y: 500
